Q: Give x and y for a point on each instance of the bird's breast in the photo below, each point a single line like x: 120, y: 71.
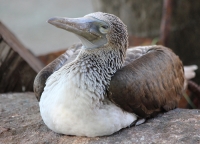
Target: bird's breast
x: 68, y: 108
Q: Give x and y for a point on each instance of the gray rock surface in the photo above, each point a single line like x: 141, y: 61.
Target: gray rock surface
x: 20, y: 122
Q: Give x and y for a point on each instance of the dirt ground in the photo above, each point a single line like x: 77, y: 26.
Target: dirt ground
x: 20, y: 122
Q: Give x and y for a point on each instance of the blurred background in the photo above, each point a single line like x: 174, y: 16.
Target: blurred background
x: 28, y: 21
x: 173, y: 23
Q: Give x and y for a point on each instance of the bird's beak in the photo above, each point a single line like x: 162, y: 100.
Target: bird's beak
x: 86, y: 28
x: 79, y: 26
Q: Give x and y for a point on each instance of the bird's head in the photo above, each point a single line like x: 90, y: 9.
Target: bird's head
x: 96, y: 30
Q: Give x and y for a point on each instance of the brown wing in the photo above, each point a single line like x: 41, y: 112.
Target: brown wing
x: 150, y: 83
x: 40, y: 79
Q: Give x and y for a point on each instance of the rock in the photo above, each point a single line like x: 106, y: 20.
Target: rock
x: 20, y: 122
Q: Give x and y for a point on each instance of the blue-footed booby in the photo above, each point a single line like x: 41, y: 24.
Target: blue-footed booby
x: 100, y: 86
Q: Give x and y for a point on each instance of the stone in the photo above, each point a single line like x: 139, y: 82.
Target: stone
x: 20, y: 122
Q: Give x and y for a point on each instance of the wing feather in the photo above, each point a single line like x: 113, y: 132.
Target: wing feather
x: 150, y: 81
x: 42, y: 76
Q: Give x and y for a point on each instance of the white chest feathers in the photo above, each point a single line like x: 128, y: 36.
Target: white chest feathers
x: 68, y: 107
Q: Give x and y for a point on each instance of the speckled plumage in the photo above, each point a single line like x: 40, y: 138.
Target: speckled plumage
x: 118, y: 35
x: 95, y: 68
x: 74, y: 100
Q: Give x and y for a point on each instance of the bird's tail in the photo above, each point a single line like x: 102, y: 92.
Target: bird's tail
x: 189, y: 73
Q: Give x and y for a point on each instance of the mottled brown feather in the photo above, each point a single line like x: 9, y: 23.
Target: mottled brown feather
x: 148, y: 83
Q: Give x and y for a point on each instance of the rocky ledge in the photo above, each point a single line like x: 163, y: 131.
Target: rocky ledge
x: 20, y: 122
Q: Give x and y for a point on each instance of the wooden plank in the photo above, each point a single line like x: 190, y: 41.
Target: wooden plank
x: 1, y: 38
x: 13, y: 42
x: 16, y: 78
x: 19, y: 76
x: 166, y: 22
x: 9, y: 73
x: 27, y: 81
x: 6, y: 62
x: 18, y: 66
x: 4, y: 53
x: 2, y: 46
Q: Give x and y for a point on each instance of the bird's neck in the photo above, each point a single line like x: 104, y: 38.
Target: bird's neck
x: 95, y: 69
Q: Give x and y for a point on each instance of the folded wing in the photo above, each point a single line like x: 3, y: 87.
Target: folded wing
x: 150, y: 81
x: 42, y: 76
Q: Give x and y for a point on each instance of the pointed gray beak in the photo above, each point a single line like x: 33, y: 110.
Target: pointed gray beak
x: 86, y: 28
x: 80, y: 26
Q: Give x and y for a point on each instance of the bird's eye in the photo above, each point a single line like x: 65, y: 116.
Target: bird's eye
x: 104, y: 29
x: 104, y: 26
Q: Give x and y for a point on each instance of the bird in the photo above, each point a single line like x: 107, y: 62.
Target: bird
x: 99, y: 86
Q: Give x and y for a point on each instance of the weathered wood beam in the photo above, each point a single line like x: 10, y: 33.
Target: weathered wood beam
x: 166, y: 22
x: 18, y: 66
x: 17, y: 46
